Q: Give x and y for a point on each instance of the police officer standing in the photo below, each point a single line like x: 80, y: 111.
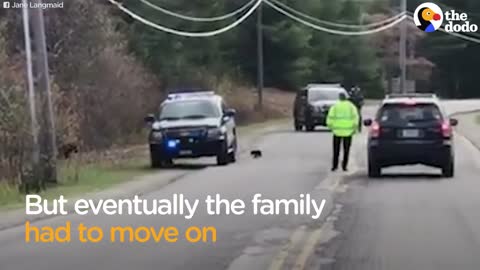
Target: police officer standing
x: 343, y: 121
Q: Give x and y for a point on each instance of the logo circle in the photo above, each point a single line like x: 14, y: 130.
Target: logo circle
x: 428, y: 17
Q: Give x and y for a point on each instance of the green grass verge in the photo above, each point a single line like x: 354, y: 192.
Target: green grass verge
x: 77, y: 179
x: 477, y: 119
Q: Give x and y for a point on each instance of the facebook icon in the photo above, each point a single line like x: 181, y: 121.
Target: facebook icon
x: 6, y: 4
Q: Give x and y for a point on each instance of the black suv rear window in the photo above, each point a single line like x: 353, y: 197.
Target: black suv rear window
x: 323, y: 94
x: 404, y: 113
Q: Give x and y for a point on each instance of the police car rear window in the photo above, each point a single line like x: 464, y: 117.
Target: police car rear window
x: 189, y: 109
x: 401, y: 113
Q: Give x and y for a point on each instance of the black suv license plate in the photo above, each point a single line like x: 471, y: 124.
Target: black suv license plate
x: 410, y: 133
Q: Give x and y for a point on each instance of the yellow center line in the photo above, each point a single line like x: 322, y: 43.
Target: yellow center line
x: 295, y: 239
x: 308, y: 249
x: 333, y: 183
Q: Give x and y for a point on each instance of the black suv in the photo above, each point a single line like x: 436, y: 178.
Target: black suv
x: 312, y: 104
x: 191, y: 125
x: 408, y: 130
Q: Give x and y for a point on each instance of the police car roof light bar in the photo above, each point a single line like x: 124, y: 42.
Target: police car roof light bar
x: 186, y: 95
x: 324, y: 85
x: 411, y: 95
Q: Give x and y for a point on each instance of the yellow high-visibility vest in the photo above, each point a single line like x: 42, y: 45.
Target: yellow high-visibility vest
x: 343, y: 119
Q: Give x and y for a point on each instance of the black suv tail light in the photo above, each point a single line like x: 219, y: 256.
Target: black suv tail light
x: 446, y: 129
x: 375, y: 130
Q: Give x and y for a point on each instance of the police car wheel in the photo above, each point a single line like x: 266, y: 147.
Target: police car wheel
x: 232, y: 156
x: 310, y: 127
x: 223, y: 156
x: 298, y: 126
x: 158, y: 162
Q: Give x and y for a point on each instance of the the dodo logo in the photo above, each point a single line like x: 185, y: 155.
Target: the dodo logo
x: 428, y: 17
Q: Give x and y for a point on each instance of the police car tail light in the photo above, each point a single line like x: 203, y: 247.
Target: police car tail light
x: 375, y: 130
x: 446, y: 129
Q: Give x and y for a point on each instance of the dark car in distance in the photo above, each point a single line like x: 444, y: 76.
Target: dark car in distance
x: 408, y: 130
x: 312, y: 104
x: 192, y: 125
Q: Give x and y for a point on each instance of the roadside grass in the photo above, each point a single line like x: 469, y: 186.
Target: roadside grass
x: 477, y: 119
x: 78, y: 178
x: 87, y: 174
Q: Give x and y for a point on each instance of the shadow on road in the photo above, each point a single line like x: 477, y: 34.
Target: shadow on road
x: 185, y: 166
x: 395, y: 177
x: 323, y: 130
x: 409, y: 176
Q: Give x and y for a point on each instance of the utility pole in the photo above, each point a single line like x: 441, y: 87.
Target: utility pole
x: 48, y: 148
x: 260, y: 71
x: 403, y: 49
x: 31, y: 92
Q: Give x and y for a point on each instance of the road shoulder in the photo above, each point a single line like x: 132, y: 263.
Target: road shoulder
x: 148, y: 181
x: 469, y: 127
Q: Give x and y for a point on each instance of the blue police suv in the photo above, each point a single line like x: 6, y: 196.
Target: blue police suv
x: 192, y: 125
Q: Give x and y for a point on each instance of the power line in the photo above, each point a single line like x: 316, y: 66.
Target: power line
x: 472, y: 39
x: 341, y: 25
x: 472, y: 34
x: 332, y: 31
x: 198, y: 19
x: 462, y: 36
x: 184, y: 33
x: 399, y: 17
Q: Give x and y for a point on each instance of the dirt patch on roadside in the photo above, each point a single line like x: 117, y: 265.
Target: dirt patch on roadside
x: 469, y: 126
x: 276, y: 104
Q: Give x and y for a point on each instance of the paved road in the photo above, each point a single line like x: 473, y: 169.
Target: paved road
x: 415, y: 221
x: 410, y: 219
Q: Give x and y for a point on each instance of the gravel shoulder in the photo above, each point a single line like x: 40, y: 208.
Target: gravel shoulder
x: 469, y: 126
x: 150, y: 181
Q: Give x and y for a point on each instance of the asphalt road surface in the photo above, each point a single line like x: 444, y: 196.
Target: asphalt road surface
x: 409, y: 220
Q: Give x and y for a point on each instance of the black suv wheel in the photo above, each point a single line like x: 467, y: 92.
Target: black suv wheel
x: 448, y: 170
x: 374, y: 170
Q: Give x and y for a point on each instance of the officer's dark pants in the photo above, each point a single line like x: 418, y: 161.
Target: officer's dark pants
x: 347, y: 143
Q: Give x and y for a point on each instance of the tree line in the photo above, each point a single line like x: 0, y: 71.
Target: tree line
x: 296, y: 55
x: 455, y: 60
x: 293, y: 54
